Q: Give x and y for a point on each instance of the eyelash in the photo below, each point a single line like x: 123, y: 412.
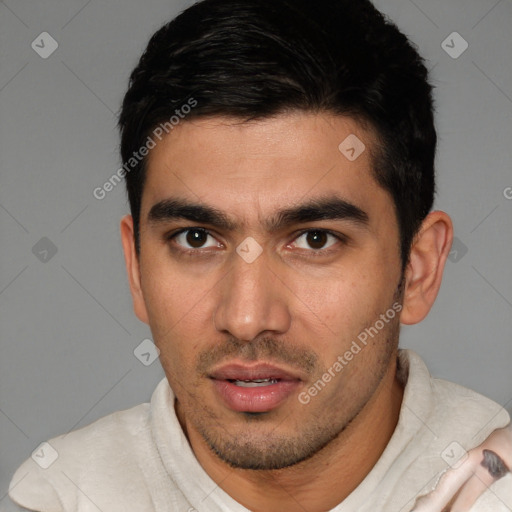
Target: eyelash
x: 318, y: 252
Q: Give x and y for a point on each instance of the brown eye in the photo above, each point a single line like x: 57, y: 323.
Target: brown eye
x: 194, y: 238
x: 316, y: 239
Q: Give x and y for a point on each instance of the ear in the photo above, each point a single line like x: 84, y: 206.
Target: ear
x: 133, y: 268
x: 424, y: 272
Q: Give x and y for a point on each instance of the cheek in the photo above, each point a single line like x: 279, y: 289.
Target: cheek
x: 342, y: 301
x: 340, y: 307
x: 180, y: 304
x: 169, y: 294
x: 174, y: 307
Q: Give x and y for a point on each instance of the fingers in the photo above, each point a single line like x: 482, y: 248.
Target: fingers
x: 500, y: 442
x: 459, y: 489
x: 472, y: 490
x: 494, y: 464
x: 491, y: 468
x: 447, y: 487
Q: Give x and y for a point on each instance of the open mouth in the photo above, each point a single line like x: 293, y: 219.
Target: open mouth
x: 258, y: 387
x: 254, y: 383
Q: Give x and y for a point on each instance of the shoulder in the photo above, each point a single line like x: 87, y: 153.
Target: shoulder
x: 469, y: 418
x: 460, y: 409
x: 49, y: 479
x: 450, y: 409
x: 455, y: 419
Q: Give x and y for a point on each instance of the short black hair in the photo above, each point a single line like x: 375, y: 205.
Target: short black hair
x: 255, y: 59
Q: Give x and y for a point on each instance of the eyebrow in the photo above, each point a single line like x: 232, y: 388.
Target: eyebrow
x: 326, y: 208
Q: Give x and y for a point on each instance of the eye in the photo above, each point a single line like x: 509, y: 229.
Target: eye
x: 194, y: 237
x: 317, y: 239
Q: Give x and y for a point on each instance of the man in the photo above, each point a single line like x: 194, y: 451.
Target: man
x: 279, y: 162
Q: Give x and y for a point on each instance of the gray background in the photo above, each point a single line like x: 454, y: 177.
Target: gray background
x: 67, y: 328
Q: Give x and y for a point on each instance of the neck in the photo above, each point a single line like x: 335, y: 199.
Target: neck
x: 309, y: 485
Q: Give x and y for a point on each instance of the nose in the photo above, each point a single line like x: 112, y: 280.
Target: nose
x: 252, y: 300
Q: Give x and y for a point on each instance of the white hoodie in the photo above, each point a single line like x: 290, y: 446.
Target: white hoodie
x: 140, y: 460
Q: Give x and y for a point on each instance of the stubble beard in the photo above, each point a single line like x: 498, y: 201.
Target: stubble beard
x: 257, y: 448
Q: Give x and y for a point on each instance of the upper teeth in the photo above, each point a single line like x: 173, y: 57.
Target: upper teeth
x: 254, y: 382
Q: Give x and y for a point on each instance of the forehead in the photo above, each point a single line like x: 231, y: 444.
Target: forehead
x: 253, y: 168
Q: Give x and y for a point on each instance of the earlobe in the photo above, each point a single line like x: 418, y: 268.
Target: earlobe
x: 424, y: 271
x: 133, y: 268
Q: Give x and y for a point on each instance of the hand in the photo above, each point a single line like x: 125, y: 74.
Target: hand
x: 460, y: 487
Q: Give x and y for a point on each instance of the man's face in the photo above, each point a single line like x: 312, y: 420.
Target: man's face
x: 249, y: 314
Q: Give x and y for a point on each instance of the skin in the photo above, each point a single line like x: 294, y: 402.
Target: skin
x: 293, y: 306
x: 460, y: 487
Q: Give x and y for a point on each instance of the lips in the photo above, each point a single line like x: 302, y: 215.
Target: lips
x: 253, y: 388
